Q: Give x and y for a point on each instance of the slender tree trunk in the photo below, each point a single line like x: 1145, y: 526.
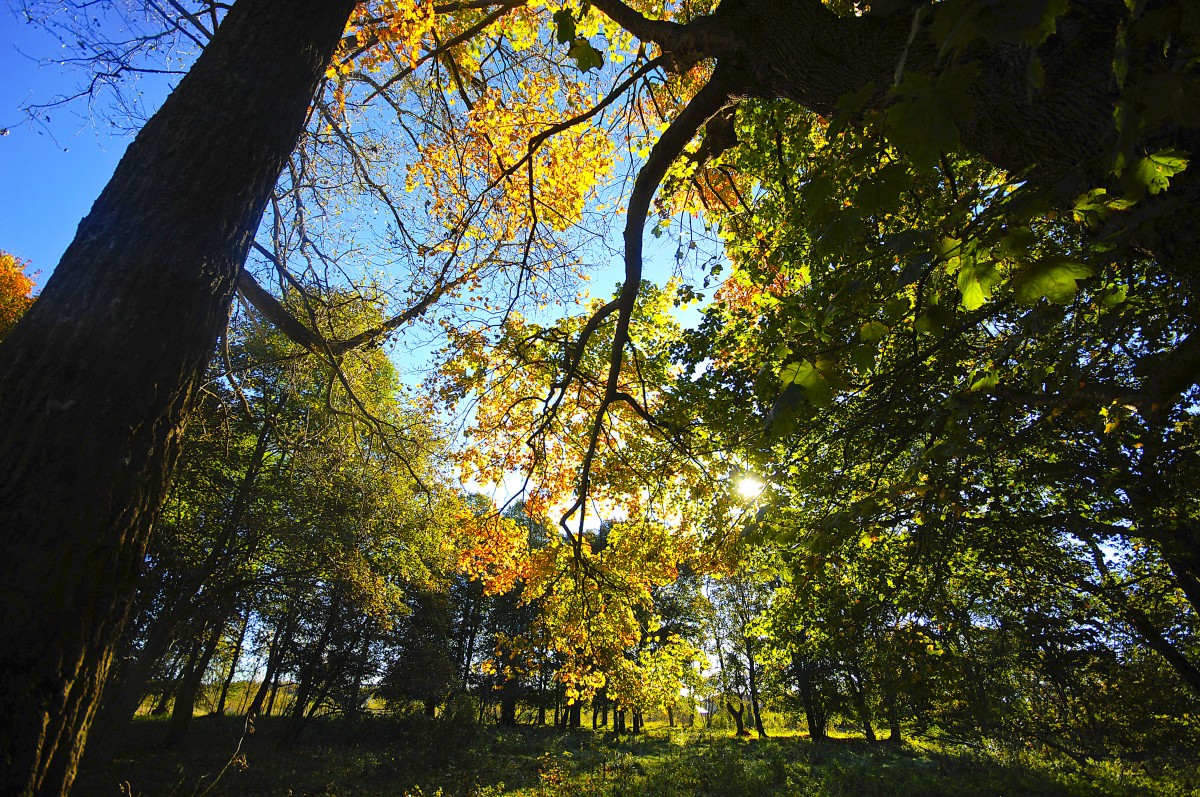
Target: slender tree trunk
x: 806, y: 685
x: 233, y: 665
x: 274, y: 662
x: 163, y: 703
x: 360, y: 673
x: 124, y: 694
x: 189, y: 687
x: 859, y: 695
x: 895, y: 734
x: 755, y: 708
x: 508, y: 706
x: 313, y: 672
x: 96, y: 379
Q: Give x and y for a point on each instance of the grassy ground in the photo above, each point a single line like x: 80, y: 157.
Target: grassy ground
x: 414, y: 756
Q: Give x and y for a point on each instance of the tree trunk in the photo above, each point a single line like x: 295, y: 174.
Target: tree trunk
x: 893, y: 711
x: 508, y: 706
x: 574, y: 715
x: 755, y: 708
x: 96, y: 379
x: 314, y: 673
x: 189, y: 687
x: 859, y: 696
x: 814, y: 714
x: 124, y: 694
x: 274, y: 663
x: 233, y: 665
x: 737, y: 715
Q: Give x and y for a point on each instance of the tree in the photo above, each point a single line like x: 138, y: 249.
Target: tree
x: 97, y: 378
x: 15, y: 288
x: 284, y: 458
x: 1028, y: 92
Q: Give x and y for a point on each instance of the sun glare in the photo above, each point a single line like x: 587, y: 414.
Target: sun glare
x: 750, y: 487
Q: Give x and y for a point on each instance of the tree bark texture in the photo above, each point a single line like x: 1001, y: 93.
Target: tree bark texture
x: 97, y: 378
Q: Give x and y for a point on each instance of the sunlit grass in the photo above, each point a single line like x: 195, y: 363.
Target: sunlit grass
x: 415, y: 756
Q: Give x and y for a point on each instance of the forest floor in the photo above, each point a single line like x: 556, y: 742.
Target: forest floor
x: 417, y: 757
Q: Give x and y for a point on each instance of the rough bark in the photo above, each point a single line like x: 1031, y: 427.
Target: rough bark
x: 96, y: 379
x: 801, y: 51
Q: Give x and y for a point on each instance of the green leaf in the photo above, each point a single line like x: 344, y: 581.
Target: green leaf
x: 985, y: 381
x: 797, y: 373
x: 586, y: 56
x: 924, y: 120
x: 976, y: 279
x: 873, y: 331
x: 564, y: 25
x: 1094, y: 207
x: 863, y: 357
x: 1114, y: 296
x: 914, y: 269
x: 1153, y: 173
x: 815, y: 379
x: 934, y: 319
x: 848, y: 105
x: 1053, y: 277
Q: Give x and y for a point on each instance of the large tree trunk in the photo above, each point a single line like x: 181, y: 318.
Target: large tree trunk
x: 96, y: 379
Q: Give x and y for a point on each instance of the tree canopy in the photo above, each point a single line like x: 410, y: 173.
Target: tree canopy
x: 943, y: 257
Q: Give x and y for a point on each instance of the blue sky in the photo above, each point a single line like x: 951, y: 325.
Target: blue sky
x: 51, y: 172
x: 52, y: 169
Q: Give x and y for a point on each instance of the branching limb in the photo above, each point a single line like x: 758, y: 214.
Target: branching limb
x: 709, y: 100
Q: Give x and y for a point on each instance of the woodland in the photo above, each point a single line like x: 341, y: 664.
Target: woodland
x: 665, y: 396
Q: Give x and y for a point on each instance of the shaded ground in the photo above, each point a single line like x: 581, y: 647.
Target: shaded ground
x: 416, y: 756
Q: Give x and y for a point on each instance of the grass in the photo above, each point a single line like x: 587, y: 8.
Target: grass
x: 414, y: 756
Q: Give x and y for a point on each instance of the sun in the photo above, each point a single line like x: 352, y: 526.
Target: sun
x: 750, y: 487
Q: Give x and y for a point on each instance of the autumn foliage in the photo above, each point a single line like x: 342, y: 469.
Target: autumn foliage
x: 15, y: 291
